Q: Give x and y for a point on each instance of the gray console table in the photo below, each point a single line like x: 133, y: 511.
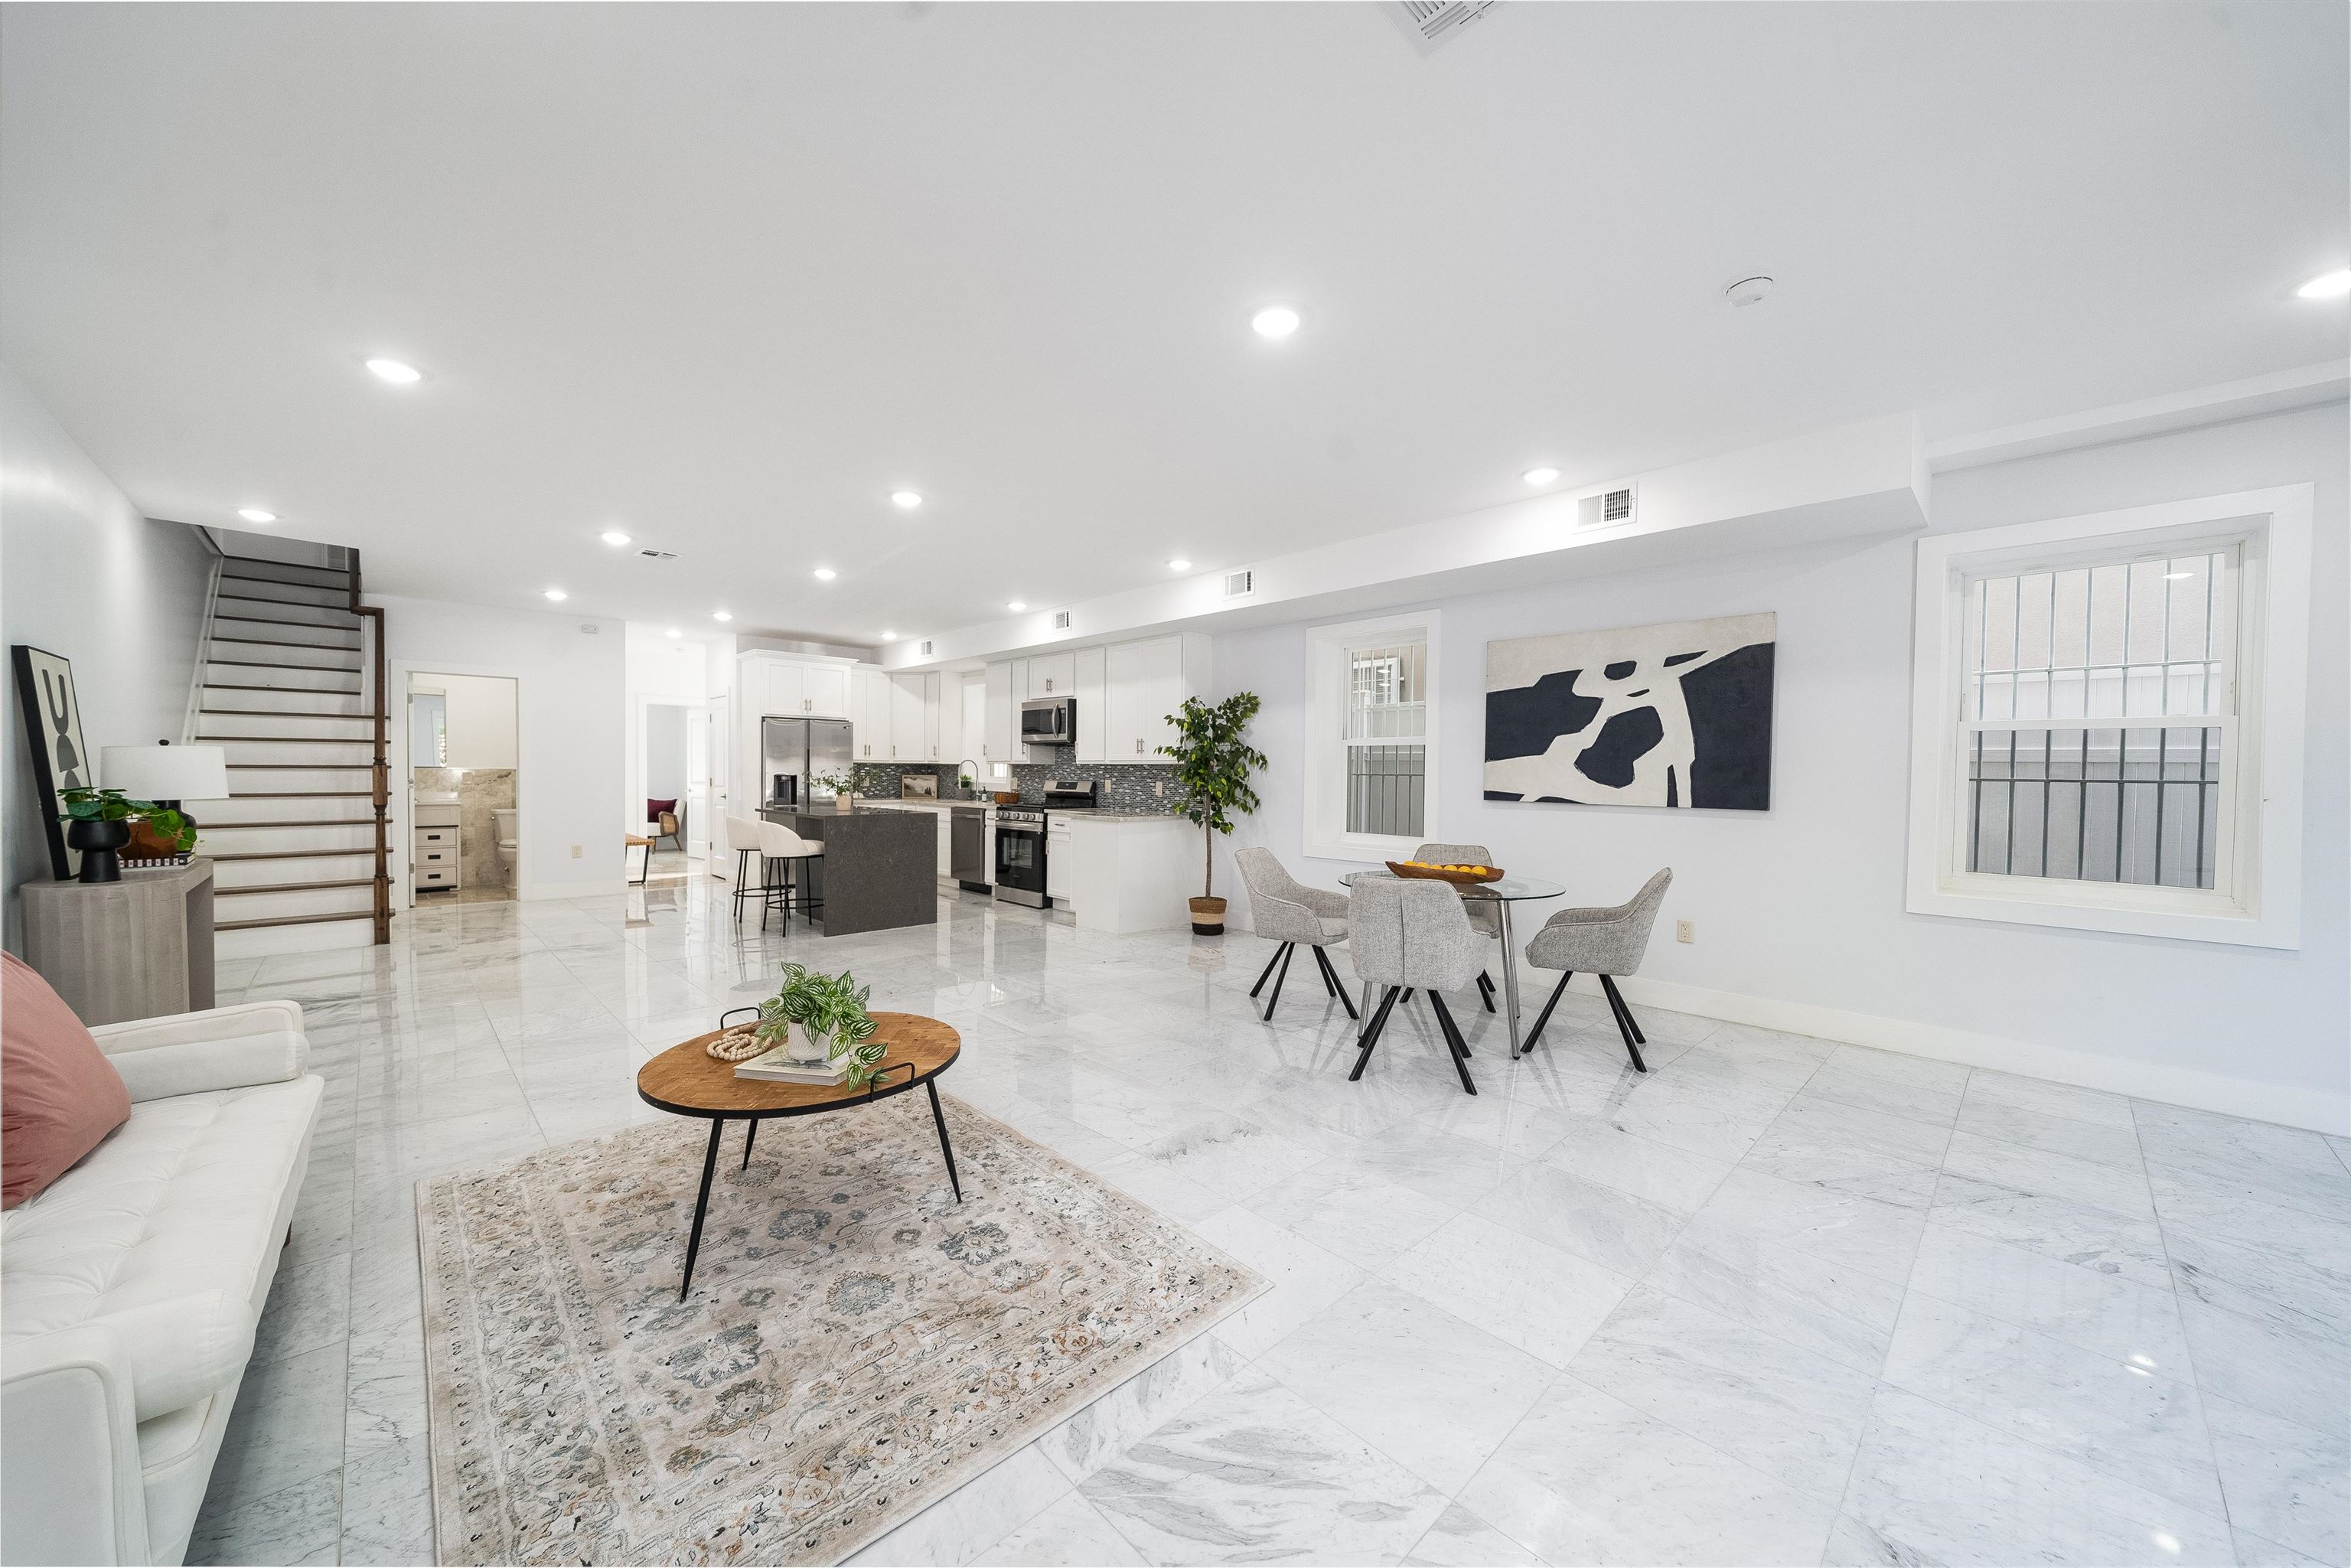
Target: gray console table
x: 137, y: 948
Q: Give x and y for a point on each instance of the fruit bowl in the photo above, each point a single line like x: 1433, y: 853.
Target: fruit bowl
x: 1462, y: 876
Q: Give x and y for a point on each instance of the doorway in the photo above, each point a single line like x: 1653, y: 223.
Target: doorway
x: 465, y: 793
x: 675, y: 766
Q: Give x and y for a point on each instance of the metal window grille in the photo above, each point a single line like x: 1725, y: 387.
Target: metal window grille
x: 2098, y: 720
x: 1386, y: 739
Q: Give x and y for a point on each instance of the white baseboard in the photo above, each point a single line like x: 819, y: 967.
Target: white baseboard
x: 2216, y: 1091
x: 545, y: 890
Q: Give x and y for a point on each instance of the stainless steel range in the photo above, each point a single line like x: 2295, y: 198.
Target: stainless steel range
x: 1020, y: 840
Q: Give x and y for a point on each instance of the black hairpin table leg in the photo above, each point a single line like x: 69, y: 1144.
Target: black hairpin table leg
x: 945, y: 1148
x: 701, y: 1205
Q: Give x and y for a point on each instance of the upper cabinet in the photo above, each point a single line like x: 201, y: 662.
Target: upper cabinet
x: 1003, y: 716
x: 914, y: 718
x: 778, y: 685
x: 828, y: 690
x: 1052, y: 675
x: 869, y: 716
x: 1124, y: 693
x: 1091, y: 685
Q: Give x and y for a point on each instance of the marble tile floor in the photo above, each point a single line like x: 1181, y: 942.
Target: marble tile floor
x: 1779, y: 1301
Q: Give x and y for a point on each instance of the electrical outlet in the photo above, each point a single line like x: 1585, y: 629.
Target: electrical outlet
x: 1685, y: 930
x: 1159, y: 788
x: 575, y: 852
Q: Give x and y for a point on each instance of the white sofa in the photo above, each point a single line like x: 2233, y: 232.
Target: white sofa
x: 128, y: 1290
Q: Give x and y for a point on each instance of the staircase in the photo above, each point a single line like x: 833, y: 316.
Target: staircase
x: 293, y: 687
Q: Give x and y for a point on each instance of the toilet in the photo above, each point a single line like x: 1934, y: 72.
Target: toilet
x: 504, y: 818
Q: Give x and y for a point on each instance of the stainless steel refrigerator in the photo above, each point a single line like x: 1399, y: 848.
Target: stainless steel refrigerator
x: 793, y: 751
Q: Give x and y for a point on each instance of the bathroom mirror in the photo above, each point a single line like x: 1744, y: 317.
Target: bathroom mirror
x: 428, y: 734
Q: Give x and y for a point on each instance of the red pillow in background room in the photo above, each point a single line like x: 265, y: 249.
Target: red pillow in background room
x: 653, y: 808
x: 58, y: 1094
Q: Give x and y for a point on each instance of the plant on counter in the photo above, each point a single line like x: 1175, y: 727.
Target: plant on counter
x: 1213, y: 764
x: 822, y: 1018
x: 113, y: 806
x: 840, y: 782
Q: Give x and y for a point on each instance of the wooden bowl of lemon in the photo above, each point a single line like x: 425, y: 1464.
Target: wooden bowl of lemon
x: 1464, y: 875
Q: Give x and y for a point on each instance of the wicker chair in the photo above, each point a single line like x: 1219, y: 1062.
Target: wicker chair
x: 1285, y: 910
x: 1602, y: 941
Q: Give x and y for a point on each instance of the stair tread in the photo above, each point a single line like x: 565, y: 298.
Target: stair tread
x: 261, y: 599
x: 311, y: 767
x: 299, y: 795
x: 280, y: 665
x: 323, y: 822
x: 219, y: 892
x: 286, y: 854
x: 295, y: 920
x: 298, y: 739
x: 290, y: 713
x: 298, y: 691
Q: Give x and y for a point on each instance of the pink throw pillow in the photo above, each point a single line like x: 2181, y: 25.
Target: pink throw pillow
x: 58, y: 1093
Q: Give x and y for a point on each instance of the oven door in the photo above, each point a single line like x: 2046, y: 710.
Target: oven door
x: 1020, y: 864
x: 1049, y: 721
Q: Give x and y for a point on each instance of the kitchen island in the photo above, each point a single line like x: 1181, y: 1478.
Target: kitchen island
x: 878, y: 868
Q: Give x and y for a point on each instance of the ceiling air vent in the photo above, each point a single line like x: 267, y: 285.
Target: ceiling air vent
x: 1061, y: 620
x: 1605, y: 510
x: 1436, y: 21
x: 658, y: 554
x: 927, y: 647
x: 1240, y: 584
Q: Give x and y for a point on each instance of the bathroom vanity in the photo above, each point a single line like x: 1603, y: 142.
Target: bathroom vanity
x: 436, y: 852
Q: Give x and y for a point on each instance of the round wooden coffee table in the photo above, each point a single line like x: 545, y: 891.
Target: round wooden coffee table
x: 687, y: 1080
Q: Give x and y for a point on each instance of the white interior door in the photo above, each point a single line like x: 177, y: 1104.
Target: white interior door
x: 697, y: 782
x: 709, y: 826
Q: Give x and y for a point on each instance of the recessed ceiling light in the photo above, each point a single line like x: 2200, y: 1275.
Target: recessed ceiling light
x: 673, y: 631
x: 889, y: 636
x: 907, y: 500
x: 395, y: 373
x: 825, y: 574
x: 1275, y: 321
x: 1016, y: 606
x: 615, y: 538
x: 558, y: 594
x: 1179, y: 565
x: 256, y: 515
x: 2328, y: 286
x: 1748, y: 290
x: 721, y: 615
x: 1539, y: 475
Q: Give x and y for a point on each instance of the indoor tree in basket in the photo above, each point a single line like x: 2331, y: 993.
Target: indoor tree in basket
x: 1213, y: 764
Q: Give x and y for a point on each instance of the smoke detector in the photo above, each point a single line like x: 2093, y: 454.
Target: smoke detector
x: 1434, y: 22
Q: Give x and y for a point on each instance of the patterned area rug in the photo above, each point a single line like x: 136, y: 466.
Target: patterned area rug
x: 857, y: 1344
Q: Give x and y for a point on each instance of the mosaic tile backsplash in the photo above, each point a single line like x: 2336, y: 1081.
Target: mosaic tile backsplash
x: 1124, y: 787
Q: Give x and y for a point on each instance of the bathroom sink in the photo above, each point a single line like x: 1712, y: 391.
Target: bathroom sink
x: 436, y: 797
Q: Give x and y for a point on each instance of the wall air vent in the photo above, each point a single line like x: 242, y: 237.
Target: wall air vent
x: 658, y: 554
x: 1605, y: 510
x: 1240, y: 584
x: 1433, y: 23
x: 927, y: 647
x: 1061, y: 620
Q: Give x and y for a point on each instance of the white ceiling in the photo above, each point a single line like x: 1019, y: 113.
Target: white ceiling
x: 724, y: 277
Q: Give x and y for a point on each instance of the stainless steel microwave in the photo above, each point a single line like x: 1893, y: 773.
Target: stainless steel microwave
x: 1049, y: 721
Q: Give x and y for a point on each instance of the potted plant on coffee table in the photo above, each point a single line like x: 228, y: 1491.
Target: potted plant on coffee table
x: 1213, y: 763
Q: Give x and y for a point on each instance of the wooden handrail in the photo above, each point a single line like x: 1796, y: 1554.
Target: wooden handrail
x: 372, y: 617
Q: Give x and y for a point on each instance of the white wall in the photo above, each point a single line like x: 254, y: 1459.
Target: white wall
x: 664, y: 751
x: 1799, y: 910
x: 568, y: 726
x: 85, y: 576
x: 481, y: 719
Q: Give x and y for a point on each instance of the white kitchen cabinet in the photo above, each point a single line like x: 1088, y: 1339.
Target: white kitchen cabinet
x: 914, y: 718
x: 1146, y: 683
x: 1052, y: 674
x: 869, y: 703
x: 1003, y: 720
x: 1058, y: 869
x: 946, y: 844
x: 829, y: 691
x: 782, y: 688
x: 1089, y: 684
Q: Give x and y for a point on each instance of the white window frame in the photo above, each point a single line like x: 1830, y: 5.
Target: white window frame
x: 2256, y: 899
x: 1325, y: 770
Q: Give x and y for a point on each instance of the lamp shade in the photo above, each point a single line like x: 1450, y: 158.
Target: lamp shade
x: 166, y: 772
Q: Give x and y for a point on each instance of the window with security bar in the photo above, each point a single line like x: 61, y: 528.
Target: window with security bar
x: 2098, y: 720
x: 1387, y: 739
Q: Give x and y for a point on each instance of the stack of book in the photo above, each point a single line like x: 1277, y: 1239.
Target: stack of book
x: 777, y: 1067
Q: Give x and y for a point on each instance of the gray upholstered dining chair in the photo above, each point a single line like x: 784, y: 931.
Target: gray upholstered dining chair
x: 1283, y: 909
x: 1485, y: 915
x: 1602, y: 941
x: 1411, y: 936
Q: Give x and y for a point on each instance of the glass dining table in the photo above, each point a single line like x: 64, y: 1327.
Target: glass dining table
x: 1505, y: 892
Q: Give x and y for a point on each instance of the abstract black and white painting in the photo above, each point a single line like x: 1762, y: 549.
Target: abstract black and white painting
x: 1671, y: 715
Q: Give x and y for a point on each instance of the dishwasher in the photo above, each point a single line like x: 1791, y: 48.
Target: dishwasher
x: 967, y: 848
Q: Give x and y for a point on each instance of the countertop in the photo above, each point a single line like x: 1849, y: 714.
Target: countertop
x: 1092, y: 813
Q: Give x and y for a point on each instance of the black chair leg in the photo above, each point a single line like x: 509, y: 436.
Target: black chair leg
x: 1461, y: 1048
x: 1372, y: 1033
x: 1287, y: 948
x: 1556, y: 992
x: 1330, y: 979
x: 1270, y: 963
x: 1634, y: 1038
x: 1485, y: 989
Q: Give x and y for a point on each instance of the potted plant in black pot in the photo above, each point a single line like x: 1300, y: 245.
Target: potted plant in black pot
x: 98, y: 821
x: 1213, y: 764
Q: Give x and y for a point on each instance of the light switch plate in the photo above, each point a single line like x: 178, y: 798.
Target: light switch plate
x: 1685, y: 930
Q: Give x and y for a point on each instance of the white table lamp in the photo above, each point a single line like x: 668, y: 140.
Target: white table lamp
x: 166, y: 774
